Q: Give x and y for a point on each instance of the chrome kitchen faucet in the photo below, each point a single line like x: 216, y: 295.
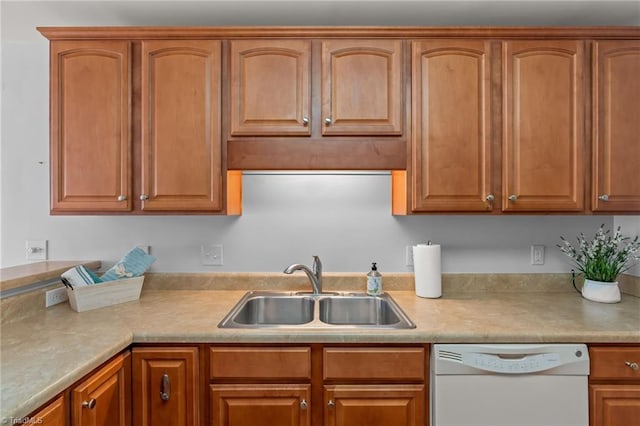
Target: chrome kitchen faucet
x: 315, y: 275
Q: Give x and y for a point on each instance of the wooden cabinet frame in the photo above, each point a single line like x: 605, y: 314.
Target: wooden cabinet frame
x: 391, y: 151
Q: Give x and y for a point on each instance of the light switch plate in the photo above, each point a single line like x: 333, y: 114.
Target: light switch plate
x: 211, y: 254
x: 37, y: 250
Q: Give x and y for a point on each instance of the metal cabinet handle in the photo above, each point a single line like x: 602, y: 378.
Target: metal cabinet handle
x: 490, y: 198
x: 331, y: 403
x: 513, y: 197
x: 90, y: 404
x: 165, y: 388
x: 122, y: 198
x: 603, y: 197
x: 144, y: 197
x: 303, y: 404
x: 305, y: 120
x: 632, y: 365
x: 327, y: 120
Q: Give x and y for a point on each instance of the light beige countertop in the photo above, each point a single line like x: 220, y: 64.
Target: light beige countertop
x: 51, y: 349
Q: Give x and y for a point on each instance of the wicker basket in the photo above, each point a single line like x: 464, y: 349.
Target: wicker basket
x: 105, y: 294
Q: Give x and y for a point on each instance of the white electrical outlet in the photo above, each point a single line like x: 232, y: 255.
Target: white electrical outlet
x: 211, y: 255
x: 55, y: 296
x: 37, y: 250
x: 409, y: 256
x: 537, y: 255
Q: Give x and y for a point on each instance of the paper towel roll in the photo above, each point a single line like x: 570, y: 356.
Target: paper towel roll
x: 427, y: 270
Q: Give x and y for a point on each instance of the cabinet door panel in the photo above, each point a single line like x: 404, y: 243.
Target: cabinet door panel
x: 90, y: 126
x: 54, y: 414
x: 270, y: 87
x: 362, y: 87
x: 179, y: 404
x: 614, y: 405
x: 181, y: 149
x: 374, y: 405
x: 260, y: 405
x: 104, y: 398
x: 543, y: 163
x: 616, y: 126
x: 451, y: 147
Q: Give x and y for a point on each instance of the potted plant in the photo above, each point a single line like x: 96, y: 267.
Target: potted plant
x: 601, y: 260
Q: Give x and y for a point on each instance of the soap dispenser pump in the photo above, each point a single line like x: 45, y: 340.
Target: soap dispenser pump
x: 374, y: 281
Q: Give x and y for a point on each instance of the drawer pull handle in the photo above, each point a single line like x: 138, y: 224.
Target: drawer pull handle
x: 303, y: 404
x: 165, y: 391
x: 331, y: 404
x: 632, y: 365
x: 90, y: 404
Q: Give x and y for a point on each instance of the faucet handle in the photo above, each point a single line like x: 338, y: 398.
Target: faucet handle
x: 317, y: 265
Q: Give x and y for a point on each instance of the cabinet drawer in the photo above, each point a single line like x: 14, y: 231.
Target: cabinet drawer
x: 260, y: 363
x: 615, y: 363
x: 374, y: 364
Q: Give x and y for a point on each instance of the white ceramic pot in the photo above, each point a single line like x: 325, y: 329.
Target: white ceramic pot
x: 600, y: 291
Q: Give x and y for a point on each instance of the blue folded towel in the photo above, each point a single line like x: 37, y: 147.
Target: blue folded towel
x: 133, y: 264
x: 79, y: 276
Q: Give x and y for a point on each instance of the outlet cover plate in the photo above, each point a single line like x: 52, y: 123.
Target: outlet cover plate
x: 55, y: 296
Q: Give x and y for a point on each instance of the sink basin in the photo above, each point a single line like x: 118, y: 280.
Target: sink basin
x: 359, y: 310
x: 260, y: 310
x: 305, y: 310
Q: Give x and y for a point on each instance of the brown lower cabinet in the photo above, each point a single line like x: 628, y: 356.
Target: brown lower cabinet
x: 296, y: 385
x: 614, y: 385
x: 104, y: 398
x: 260, y: 405
x: 53, y: 414
x: 166, y: 386
x: 374, y: 405
x: 318, y: 385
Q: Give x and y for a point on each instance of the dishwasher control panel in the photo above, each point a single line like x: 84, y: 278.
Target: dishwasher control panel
x: 502, y: 364
x: 510, y: 359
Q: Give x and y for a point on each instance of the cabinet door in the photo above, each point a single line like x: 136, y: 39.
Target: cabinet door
x: 165, y: 386
x: 181, y: 148
x: 54, y: 414
x: 362, y: 87
x: 260, y: 405
x: 90, y: 126
x: 451, y: 147
x: 616, y: 126
x: 614, y: 405
x: 543, y: 152
x: 104, y: 399
x: 270, y: 87
x: 374, y: 405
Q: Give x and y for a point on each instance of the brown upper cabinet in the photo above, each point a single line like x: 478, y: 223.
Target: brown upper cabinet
x: 362, y: 87
x: 316, y: 104
x: 135, y: 127
x: 181, y: 157
x: 543, y: 149
x: 90, y: 129
x: 469, y: 120
x: 270, y: 90
x: 451, y: 150
x: 616, y: 126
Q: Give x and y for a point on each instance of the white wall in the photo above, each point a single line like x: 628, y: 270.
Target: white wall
x: 344, y: 219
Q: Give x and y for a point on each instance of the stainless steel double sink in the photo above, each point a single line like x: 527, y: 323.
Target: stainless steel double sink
x: 262, y: 309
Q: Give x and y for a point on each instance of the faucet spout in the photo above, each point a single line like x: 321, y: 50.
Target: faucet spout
x: 315, y: 275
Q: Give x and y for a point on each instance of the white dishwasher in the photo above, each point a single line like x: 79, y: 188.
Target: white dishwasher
x: 509, y: 385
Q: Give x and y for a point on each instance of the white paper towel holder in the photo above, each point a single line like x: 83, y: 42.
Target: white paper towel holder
x: 428, y: 273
